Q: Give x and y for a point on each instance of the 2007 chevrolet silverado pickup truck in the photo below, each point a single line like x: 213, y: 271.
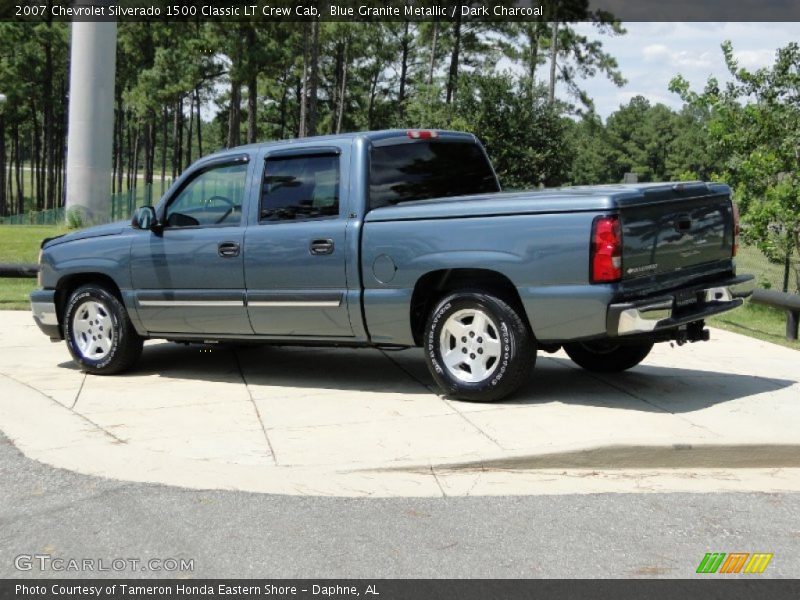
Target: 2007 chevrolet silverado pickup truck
x: 396, y: 239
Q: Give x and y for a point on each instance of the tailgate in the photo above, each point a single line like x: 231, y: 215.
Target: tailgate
x: 674, y: 227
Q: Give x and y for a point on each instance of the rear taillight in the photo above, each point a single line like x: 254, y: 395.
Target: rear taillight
x: 735, y: 227
x: 606, y: 253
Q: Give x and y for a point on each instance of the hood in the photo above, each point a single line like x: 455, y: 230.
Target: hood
x: 89, y: 232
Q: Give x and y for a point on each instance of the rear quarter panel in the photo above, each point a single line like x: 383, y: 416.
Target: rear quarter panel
x: 545, y: 256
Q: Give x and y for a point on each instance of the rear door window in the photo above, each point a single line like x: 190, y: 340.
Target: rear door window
x: 298, y: 188
x: 431, y: 169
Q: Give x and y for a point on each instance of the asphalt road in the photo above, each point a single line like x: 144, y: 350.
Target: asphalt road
x: 237, y: 534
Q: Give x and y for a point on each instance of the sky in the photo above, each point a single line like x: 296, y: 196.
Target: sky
x: 650, y: 54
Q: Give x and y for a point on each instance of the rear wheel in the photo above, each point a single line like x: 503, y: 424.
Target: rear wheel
x: 98, y: 331
x: 607, y: 356
x: 477, y: 347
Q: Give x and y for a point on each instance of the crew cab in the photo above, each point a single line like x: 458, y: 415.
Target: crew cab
x: 396, y: 239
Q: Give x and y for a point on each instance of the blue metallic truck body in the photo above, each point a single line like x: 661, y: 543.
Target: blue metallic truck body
x: 377, y: 285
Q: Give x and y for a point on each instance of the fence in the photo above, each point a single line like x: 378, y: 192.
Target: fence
x: 121, y: 206
x: 53, y: 216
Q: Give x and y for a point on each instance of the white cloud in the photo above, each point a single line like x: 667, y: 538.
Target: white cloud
x: 754, y: 59
x: 623, y: 97
x: 659, y: 53
x: 655, y: 52
x: 651, y: 54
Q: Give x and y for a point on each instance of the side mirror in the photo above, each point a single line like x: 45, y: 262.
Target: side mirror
x: 145, y: 218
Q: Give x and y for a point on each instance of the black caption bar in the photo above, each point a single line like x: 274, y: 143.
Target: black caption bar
x: 394, y: 589
x: 398, y: 10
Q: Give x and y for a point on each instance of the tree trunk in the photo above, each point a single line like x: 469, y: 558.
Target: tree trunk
x: 62, y: 143
x: 176, y: 134
x: 343, y: 91
x: 235, y: 114
x: 553, y: 60
x: 181, y: 118
x: 3, y: 207
x: 405, y: 46
x: 199, y: 123
x: 150, y: 148
x: 47, y: 134
x: 452, y: 79
x: 120, y: 147
x: 314, y: 79
x: 10, y: 180
x: 36, y: 176
x: 252, y: 90
x: 284, y: 102
x: 164, y: 129
x: 434, y: 42
x: 373, y: 90
x: 33, y: 167
x: 304, y: 85
x: 114, y: 155
x: 18, y: 172
x: 189, y: 132
x: 129, y: 149
x: 135, y: 169
x: 533, y: 55
x: 252, y: 107
x: 337, y: 85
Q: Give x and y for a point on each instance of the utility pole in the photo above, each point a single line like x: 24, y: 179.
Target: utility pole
x: 93, y: 60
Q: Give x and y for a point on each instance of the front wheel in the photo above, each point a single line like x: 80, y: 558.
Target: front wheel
x: 99, y: 334
x: 477, y: 347
x: 607, y: 356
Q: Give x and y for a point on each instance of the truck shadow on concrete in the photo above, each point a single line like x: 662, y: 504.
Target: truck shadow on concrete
x: 295, y: 371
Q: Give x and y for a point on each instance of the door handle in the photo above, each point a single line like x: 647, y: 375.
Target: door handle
x: 319, y: 247
x: 228, y: 249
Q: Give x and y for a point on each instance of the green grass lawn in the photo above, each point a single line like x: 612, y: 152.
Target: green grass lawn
x: 758, y: 321
x: 20, y: 243
x: 768, y: 274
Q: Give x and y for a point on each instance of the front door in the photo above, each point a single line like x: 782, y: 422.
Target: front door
x: 189, y: 278
x: 294, y: 255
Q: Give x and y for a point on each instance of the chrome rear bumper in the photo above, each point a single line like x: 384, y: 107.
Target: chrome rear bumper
x: 676, y: 308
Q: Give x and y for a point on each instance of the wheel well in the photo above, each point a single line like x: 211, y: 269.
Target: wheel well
x: 69, y: 283
x: 433, y: 286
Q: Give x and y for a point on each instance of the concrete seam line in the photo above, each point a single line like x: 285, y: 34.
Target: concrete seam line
x: 443, y: 399
x: 439, y: 483
x: 628, y: 393
x: 410, y: 374
x: 74, y: 412
x: 80, y: 389
x: 255, y: 407
x: 655, y: 405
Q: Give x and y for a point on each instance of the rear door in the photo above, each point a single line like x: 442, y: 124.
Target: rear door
x: 294, y: 249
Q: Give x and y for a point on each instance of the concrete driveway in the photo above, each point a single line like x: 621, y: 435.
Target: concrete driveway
x: 722, y: 415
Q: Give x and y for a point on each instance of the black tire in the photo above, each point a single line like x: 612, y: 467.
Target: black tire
x: 606, y: 356
x: 123, y: 345
x: 510, y: 349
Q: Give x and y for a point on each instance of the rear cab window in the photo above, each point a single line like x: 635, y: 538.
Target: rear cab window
x: 424, y: 169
